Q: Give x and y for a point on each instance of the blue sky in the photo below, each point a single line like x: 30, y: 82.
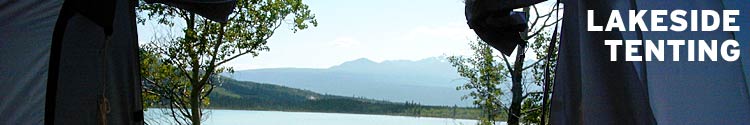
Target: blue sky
x: 350, y: 29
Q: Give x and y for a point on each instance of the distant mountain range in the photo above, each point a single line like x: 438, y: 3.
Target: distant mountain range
x: 430, y: 81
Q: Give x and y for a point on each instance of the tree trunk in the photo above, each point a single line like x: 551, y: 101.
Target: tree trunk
x: 516, y: 88
x: 517, y: 77
x: 491, y: 111
x: 195, y: 93
x: 515, y: 104
x: 195, y: 105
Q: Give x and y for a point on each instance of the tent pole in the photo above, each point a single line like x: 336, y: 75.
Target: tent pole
x: 54, y: 63
x: 547, y: 69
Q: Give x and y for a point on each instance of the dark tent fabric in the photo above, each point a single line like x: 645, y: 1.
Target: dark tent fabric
x: 95, y: 72
x: 501, y: 38
x: 742, y: 35
x: 495, y: 22
x: 70, y: 62
x: 696, y: 92
x: 101, y: 14
x: 215, y: 10
x: 590, y: 89
x: 25, y: 36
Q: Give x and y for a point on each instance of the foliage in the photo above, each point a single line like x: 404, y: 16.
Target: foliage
x: 540, y: 46
x: 150, y: 64
x: 192, y: 60
x: 525, y: 104
x: 163, y: 86
x: 531, y: 109
x: 536, y: 39
x: 483, y: 75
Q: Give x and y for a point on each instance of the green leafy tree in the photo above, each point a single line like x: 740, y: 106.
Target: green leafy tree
x: 530, y: 108
x: 483, y: 76
x: 539, y: 26
x: 163, y: 86
x: 546, y: 59
x: 199, y: 55
x: 521, y: 107
x: 537, y: 33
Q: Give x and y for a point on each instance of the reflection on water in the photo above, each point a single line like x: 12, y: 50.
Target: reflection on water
x: 248, y: 117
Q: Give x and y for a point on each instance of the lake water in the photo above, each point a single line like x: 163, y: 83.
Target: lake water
x: 249, y: 117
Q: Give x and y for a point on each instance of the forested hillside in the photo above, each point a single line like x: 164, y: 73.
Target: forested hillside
x: 233, y: 94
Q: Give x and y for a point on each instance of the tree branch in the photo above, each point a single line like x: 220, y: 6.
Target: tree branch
x: 212, y: 64
x: 510, y: 68
x: 535, y: 19
x: 532, y: 64
x: 544, y: 24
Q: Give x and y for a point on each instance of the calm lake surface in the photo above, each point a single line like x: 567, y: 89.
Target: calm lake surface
x: 249, y: 117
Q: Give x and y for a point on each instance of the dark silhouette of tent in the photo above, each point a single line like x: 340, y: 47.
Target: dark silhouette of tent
x: 75, y: 62
x: 495, y: 22
x: 591, y: 89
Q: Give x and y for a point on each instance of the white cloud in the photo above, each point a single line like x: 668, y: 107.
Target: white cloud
x: 433, y: 40
x: 452, y: 31
x: 346, y: 42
